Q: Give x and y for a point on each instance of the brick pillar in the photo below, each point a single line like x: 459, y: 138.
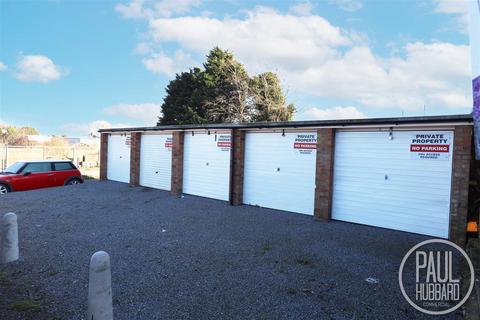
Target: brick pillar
x: 324, y: 173
x: 103, y: 155
x: 236, y: 167
x: 177, y: 163
x: 135, y: 158
x: 462, y: 153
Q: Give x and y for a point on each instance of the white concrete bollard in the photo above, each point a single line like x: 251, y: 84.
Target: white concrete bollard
x: 9, y: 238
x: 100, y: 288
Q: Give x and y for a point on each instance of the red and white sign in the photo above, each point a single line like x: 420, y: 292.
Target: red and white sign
x: 224, y: 142
x: 430, y: 145
x: 168, y: 143
x: 429, y: 148
x: 305, y: 143
x: 300, y: 145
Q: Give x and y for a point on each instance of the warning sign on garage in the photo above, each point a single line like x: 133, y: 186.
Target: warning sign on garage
x: 224, y: 142
x: 431, y: 145
x: 168, y: 143
x: 305, y: 143
x: 128, y: 141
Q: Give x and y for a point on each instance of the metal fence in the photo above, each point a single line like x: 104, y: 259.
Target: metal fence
x: 85, y: 157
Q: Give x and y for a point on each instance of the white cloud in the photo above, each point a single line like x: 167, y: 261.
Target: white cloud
x: 166, y: 8
x: 458, y: 8
x: 161, y: 63
x: 3, y: 66
x: 91, y: 128
x: 302, y: 9
x: 133, y: 10
x: 451, y: 6
x: 147, y: 113
x: 314, y: 57
x: 143, y: 48
x: 264, y: 40
x: 407, y: 83
x: 330, y: 113
x: 135, y: 115
x: 348, y: 5
x: 138, y: 9
x: 38, y: 68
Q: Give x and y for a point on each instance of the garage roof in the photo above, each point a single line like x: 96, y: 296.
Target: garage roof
x: 446, y: 119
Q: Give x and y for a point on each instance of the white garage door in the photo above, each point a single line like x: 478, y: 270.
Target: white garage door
x: 280, y: 171
x: 156, y: 161
x: 206, y: 166
x: 118, y: 158
x: 401, y: 183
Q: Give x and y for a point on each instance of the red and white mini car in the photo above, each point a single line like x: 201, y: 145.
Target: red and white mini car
x: 28, y: 175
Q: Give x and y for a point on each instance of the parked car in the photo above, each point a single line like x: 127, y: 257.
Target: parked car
x: 28, y: 175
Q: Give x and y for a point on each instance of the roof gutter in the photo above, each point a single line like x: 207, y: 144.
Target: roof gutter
x: 449, y: 119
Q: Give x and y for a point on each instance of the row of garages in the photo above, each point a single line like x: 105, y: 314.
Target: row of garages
x: 398, y: 179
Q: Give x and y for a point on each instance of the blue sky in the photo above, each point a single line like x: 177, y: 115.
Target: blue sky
x: 69, y: 67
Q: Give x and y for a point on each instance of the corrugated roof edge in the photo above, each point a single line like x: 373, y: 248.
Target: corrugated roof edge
x: 303, y: 124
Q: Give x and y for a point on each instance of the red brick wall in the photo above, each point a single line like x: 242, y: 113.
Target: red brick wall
x: 103, y: 155
x: 177, y: 163
x: 135, y: 158
x: 462, y: 153
x: 324, y: 173
x: 237, y: 167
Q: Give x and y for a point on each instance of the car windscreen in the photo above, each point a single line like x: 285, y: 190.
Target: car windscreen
x: 14, y: 168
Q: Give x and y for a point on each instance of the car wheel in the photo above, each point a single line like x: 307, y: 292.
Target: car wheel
x: 73, y: 181
x: 4, y: 189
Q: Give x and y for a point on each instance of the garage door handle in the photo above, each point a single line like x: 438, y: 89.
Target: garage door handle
x: 278, y: 169
x: 206, y: 164
x: 156, y: 172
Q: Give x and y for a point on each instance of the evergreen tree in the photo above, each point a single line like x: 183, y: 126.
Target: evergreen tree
x: 224, y: 92
x: 269, y: 99
x: 184, y: 102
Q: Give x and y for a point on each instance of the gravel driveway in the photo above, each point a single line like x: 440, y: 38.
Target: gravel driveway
x: 197, y: 258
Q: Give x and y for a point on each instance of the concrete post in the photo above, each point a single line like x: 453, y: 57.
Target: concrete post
x: 100, y: 288
x: 9, y: 238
